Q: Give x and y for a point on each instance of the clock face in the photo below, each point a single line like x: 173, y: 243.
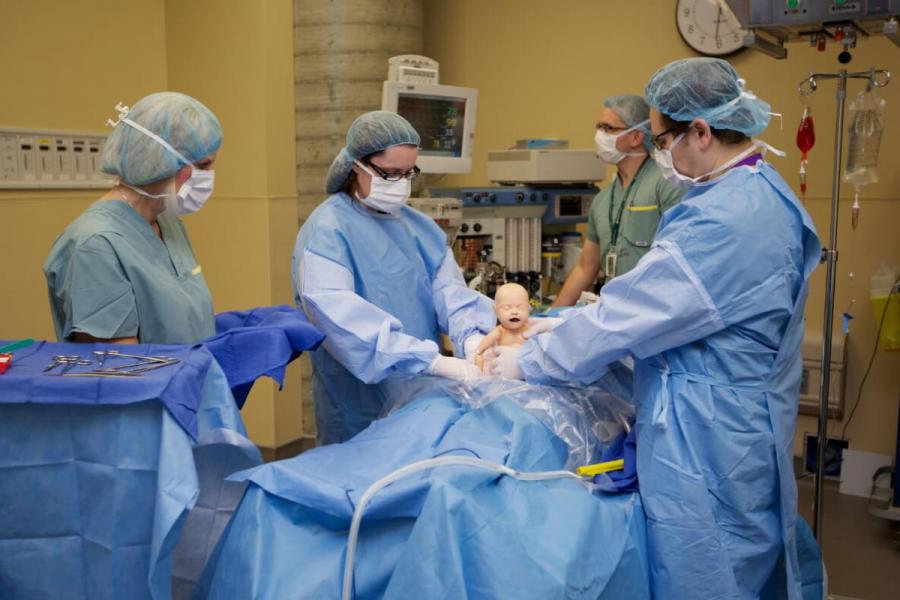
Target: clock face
x: 709, y: 26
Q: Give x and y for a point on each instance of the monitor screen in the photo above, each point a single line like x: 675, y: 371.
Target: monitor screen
x: 438, y: 119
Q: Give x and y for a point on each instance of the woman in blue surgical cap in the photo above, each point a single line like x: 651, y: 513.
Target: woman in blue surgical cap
x: 377, y: 277
x: 124, y: 271
x: 713, y: 316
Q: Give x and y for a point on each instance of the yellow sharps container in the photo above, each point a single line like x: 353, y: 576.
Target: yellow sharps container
x: 884, y: 282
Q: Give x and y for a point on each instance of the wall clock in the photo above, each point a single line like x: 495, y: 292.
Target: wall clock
x: 709, y: 27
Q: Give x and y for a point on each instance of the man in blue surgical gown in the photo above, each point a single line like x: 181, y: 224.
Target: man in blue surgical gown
x: 713, y: 316
x: 377, y: 277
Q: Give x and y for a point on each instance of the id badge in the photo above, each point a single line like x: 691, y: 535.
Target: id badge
x: 611, y: 258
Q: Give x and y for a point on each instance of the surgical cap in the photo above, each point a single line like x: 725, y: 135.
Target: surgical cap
x: 633, y: 110
x: 708, y: 89
x: 369, y: 134
x: 183, y: 122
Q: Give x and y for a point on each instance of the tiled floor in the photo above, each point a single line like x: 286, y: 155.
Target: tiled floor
x: 862, y: 552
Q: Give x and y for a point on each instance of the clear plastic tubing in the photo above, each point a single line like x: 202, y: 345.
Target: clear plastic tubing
x: 421, y: 465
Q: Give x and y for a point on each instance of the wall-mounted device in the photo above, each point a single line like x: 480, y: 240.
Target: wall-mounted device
x: 769, y: 24
x: 36, y: 158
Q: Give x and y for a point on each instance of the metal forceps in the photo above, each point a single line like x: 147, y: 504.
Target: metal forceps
x: 144, y: 363
x: 67, y: 363
x: 58, y: 360
x: 71, y: 361
x: 155, y: 359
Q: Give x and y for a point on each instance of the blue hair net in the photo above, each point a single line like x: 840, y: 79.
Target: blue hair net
x: 632, y: 109
x: 708, y: 89
x: 369, y: 134
x: 187, y: 125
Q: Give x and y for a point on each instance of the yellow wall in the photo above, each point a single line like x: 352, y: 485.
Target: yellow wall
x: 542, y: 69
x: 53, y: 79
x: 237, y: 58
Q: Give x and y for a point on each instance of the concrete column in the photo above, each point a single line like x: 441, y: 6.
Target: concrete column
x: 341, y: 49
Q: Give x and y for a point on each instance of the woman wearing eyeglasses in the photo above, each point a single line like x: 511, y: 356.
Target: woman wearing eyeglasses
x: 377, y: 277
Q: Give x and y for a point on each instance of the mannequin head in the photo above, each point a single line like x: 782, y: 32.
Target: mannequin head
x: 512, y: 307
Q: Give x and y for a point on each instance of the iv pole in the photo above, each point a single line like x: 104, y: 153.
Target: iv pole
x: 877, y: 78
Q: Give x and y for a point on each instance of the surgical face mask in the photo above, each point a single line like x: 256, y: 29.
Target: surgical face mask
x: 666, y: 163
x: 606, y: 145
x: 195, y: 191
x: 170, y: 198
x: 385, y: 196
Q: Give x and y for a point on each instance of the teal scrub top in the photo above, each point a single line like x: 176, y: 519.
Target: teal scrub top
x: 635, y: 212
x: 110, y: 276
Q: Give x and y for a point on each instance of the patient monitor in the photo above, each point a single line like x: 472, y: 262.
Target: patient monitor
x: 444, y: 116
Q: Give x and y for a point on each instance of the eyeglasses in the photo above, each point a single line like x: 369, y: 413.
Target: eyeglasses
x: 411, y: 174
x: 609, y: 128
x: 656, y: 140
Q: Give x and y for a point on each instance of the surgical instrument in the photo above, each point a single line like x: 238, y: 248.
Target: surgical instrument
x: 58, y: 360
x: 152, y: 367
x: 9, y: 348
x: 140, y: 367
x: 101, y: 356
x: 71, y: 361
x: 135, y: 369
x: 136, y: 356
x: 101, y: 374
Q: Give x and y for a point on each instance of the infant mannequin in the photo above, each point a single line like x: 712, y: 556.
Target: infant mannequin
x: 512, y: 308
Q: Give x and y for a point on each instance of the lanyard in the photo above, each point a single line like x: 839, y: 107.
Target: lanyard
x: 615, y: 226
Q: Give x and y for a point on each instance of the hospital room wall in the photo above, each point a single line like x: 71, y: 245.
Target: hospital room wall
x: 238, y: 57
x: 234, y: 56
x: 52, y: 79
x: 543, y: 68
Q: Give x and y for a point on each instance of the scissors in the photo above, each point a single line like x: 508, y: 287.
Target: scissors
x: 58, y: 360
x: 71, y: 361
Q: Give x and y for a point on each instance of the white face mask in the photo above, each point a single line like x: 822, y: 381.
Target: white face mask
x: 606, y: 145
x: 169, y: 199
x: 385, y: 196
x: 195, y: 191
x: 666, y: 163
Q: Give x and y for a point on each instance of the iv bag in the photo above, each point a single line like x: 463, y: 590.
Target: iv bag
x: 866, y: 127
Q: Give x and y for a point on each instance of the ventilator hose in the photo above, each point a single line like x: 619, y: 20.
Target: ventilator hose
x: 421, y: 466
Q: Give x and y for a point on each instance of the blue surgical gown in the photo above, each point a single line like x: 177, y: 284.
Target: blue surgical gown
x: 110, y: 276
x: 713, y: 316
x: 382, y: 288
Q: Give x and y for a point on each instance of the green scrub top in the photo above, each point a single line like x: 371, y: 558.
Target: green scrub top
x: 636, y: 210
x: 110, y: 276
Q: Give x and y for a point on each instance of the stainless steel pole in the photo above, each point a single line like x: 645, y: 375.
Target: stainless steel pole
x: 831, y: 256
